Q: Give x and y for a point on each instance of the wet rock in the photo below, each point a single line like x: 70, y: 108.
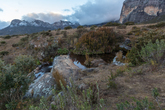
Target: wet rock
x: 126, y: 44
x: 41, y: 86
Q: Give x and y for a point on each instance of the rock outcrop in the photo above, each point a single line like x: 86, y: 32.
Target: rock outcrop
x: 65, y: 67
x: 141, y: 10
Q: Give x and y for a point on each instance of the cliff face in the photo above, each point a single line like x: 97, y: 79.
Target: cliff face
x: 141, y: 10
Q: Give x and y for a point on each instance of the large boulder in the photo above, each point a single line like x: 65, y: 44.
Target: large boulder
x: 42, y: 86
x: 66, y: 68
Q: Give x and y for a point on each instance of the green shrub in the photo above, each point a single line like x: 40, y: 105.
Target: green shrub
x: 112, y: 24
x: 79, y: 27
x: 14, y: 81
x: 58, y: 29
x: 15, y: 45
x: 130, y: 33
x: 63, y: 51
x: 68, y: 27
x: 4, y: 53
x: 122, y: 27
x: 133, y: 56
x: 137, y: 105
x: 129, y: 23
x: 3, y: 42
x: 24, y: 39
x: 93, y: 27
x: 7, y: 37
x: 153, y: 52
x: 72, y: 97
x: 158, y: 25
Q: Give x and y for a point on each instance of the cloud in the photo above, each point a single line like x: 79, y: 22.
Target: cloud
x: 4, y: 24
x: 92, y: 12
x: 1, y: 9
x: 97, y: 11
x: 67, y: 10
x: 47, y: 17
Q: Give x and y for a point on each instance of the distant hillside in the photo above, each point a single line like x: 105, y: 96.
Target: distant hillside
x: 25, y: 27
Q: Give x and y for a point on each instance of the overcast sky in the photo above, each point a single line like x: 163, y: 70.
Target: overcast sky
x: 82, y: 11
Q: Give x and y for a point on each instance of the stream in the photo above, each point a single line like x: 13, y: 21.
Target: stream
x: 78, y: 60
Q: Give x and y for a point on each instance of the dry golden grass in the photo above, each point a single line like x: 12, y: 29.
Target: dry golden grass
x: 58, y: 78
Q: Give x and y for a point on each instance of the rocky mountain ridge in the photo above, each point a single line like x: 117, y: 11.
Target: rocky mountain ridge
x: 27, y: 27
x: 141, y: 10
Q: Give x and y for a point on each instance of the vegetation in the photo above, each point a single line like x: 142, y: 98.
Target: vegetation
x: 113, y: 24
x: 129, y: 23
x: 7, y: 37
x: 14, y: 81
x: 63, y: 51
x: 68, y: 27
x: 85, y: 100
x: 158, y: 25
x: 97, y: 42
x: 3, y: 42
x: 80, y: 27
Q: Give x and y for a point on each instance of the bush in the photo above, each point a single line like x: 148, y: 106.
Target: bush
x: 15, y: 45
x: 97, y: 42
x: 158, y: 25
x: 7, y: 37
x: 24, y: 39
x: 133, y: 55
x: 112, y: 24
x: 63, y: 51
x: 122, y: 27
x: 14, y: 81
x: 25, y: 63
x: 4, y: 53
x: 152, y: 52
x: 73, y: 98
x: 129, y: 23
x: 79, y: 27
x: 3, y: 42
x: 93, y: 27
x: 68, y: 27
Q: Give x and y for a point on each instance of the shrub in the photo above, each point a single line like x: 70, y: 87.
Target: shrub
x: 7, y: 37
x: 14, y: 81
x: 68, y: 27
x: 63, y: 51
x: 133, y: 55
x: 158, y: 25
x: 79, y: 27
x: 4, y: 53
x: 24, y: 39
x: 58, y: 29
x: 25, y: 63
x: 15, y: 45
x: 129, y: 23
x: 122, y: 27
x: 97, y: 42
x: 3, y: 42
x: 153, y: 52
x: 112, y: 24
x: 93, y: 27
x: 139, y: 105
x: 130, y: 33
x: 73, y: 98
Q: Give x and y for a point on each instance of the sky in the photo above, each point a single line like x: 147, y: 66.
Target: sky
x: 82, y: 11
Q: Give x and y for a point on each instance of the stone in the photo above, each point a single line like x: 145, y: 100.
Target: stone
x: 141, y: 10
x: 97, y: 62
x: 126, y: 44
x: 42, y: 86
x: 66, y: 68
